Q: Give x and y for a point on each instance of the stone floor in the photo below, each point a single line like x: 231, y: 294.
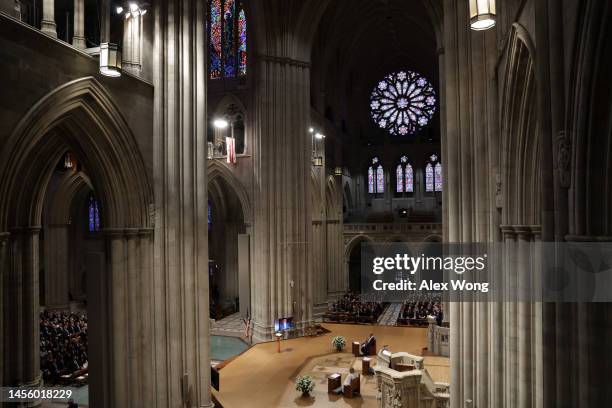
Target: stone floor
x: 390, y: 315
x: 231, y: 325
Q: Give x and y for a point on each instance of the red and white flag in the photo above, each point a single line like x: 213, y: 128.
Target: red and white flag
x: 230, y: 145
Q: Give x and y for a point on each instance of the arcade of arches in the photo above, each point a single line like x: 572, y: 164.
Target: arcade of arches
x: 220, y: 191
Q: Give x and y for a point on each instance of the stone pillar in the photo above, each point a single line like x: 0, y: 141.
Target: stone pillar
x: 283, y: 219
x: 229, y: 291
x: 524, y: 338
x: 469, y: 60
x: 21, y: 309
x: 180, y: 272
x: 244, y: 274
x: 130, y: 323
x: 47, y: 25
x: 337, y: 269
x: 132, y: 43
x: 56, y: 264
x: 4, y: 268
x: 78, y: 38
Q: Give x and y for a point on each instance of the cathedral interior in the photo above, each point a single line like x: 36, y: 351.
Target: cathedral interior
x: 189, y: 190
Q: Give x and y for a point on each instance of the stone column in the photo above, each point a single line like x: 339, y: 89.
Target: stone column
x: 78, y: 38
x: 180, y: 272
x: 283, y: 220
x: 56, y: 264
x: 47, y: 25
x: 230, y: 288
x: 468, y: 125
x: 132, y: 43
x: 21, y: 309
x: 130, y: 323
x: 525, y: 317
x: 337, y: 270
x: 4, y: 268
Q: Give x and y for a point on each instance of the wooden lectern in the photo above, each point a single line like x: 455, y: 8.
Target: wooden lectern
x: 333, y: 382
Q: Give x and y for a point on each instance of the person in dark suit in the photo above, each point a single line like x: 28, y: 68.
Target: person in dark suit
x: 365, y: 346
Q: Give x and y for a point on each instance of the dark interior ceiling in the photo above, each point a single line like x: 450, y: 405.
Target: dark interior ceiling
x: 357, y: 43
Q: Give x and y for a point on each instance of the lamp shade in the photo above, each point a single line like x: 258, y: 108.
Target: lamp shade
x: 110, y: 60
x: 317, y: 161
x: 338, y: 171
x: 482, y: 14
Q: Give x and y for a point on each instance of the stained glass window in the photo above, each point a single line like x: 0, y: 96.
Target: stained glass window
x: 399, y: 176
x: 404, y: 176
x: 403, y: 103
x: 433, y: 175
x: 376, y: 177
x: 93, y: 215
x: 380, y: 180
x: 227, y: 39
x: 438, y: 177
x: 215, y: 38
x: 242, y: 46
x: 429, y: 178
x: 210, y: 216
x: 409, y: 179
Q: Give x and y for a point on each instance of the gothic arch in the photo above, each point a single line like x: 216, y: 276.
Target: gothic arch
x: 357, y: 239
x: 589, y: 126
x: 333, y: 205
x: 73, y: 184
x: 82, y: 117
x: 216, y: 170
x: 433, y: 238
x: 226, y: 101
x: 521, y: 176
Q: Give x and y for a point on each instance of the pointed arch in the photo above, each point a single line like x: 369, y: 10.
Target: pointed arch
x: 80, y: 116
x: 521, y: 177
x: 216, y: 170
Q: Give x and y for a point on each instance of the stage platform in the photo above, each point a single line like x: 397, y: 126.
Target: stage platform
x: 262, y: 377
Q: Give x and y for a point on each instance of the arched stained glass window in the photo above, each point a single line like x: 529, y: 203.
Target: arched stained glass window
x: 404, y: 176
x: 227, y: 35
x: 93, y: 215
x: 376, y: 177
x: 210, y: 216
x: 433, y: 175
x: 438, y: 177
x: 380, y: 180
x: 242, y: 45
x: 409, y: 179
x: 429, y: 178
x: 403, y: 103
x: 399, y: 178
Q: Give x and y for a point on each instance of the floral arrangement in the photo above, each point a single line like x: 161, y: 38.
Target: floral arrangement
x: 339, y: 342
x: 304, y: 384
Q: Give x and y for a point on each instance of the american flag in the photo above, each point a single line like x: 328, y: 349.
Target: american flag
x: 230, y: 144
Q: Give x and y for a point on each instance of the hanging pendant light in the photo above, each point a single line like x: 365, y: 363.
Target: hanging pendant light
x: 110, y: 60
x: 482, y: 14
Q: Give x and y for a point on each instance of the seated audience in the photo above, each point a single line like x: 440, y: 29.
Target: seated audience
x: 355, y: 308
x: 63, y: 344
x: 416, y: 310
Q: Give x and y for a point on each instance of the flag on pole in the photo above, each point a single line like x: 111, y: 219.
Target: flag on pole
x: 230, y: 144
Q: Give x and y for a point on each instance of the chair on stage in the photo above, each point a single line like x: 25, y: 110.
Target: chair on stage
x: 352, y: 389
